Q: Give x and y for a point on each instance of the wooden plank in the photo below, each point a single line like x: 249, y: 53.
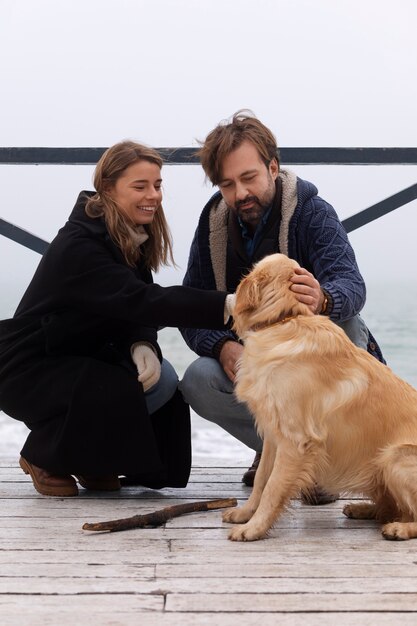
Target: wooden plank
x: 40, y: 614
x: 312, y: 540
x: 204, y: 491
x: 211, y: 538
x: 283, y: 587
x: 289, y: 570
x: 305, y: 602
x: 38, y: 556
x: 74, y: 569
x: 122, y: 542
x: 193, y: 521
x: 88, y: 606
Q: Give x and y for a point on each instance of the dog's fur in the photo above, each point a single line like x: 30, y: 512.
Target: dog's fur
x: 328, y: 412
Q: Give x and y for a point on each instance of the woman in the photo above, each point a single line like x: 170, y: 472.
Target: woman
x: 79, y: 361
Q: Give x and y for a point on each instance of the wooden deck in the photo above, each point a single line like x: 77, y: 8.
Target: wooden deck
x: 318, y: 568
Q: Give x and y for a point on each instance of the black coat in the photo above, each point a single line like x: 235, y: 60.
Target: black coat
x: 65, y: 366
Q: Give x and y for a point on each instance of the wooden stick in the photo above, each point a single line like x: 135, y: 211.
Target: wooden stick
x: 157, y: 518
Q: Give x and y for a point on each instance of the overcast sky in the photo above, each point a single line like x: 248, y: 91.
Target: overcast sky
x: 165, y: 72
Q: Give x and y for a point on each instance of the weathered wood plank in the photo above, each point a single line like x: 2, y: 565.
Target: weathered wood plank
x: 242, y: 563
x: 88, y: 606
x: 39, y: 556
x: 289, y: 570
x: 364, y: 540
x: 248, y: 602
x: 151, y: 546
x: 23, y: 490
x: 105, y: 568
x: 74, y: 569
x: 283, y: 587
x: 214, y: 528
x: 194, y: 521
x: 45, y: 615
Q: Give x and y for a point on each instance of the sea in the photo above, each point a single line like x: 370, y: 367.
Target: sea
x: 390, y: 312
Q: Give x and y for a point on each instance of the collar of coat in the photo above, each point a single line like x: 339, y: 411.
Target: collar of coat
x: 218, y: 226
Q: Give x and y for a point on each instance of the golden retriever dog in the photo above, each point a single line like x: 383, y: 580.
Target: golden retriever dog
x: 328, y: 412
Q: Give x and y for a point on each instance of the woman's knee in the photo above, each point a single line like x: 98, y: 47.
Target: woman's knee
x: 162, y: 392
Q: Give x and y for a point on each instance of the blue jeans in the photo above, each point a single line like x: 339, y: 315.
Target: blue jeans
x: 208, y: 391
x: 164, y: 389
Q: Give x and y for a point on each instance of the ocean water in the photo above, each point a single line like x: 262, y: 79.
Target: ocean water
x: 390, y: 313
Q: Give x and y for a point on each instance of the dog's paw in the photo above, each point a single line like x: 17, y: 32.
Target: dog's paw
x: 246, y: 532
x: 361, y: 510
x: 350, y: 510
x: 396, y: 531
x: 238, y: 515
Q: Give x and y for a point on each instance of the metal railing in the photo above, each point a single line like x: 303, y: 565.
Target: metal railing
x: 187, y: 156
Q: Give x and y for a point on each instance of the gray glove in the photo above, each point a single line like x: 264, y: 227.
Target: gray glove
x: 147, y: 363
x: 229, y: 305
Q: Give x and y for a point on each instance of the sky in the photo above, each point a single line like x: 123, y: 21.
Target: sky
x: 165, y: 72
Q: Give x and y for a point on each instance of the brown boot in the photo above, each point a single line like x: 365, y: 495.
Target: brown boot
x: 249, y: 476
x: 317, y: 496
x: 100, y: 483
x: 49, y: 484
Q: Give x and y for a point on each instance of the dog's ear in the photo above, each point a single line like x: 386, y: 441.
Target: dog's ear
x: 248, y: 293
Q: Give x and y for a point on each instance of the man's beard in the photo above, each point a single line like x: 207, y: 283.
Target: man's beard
x: 253, y: 215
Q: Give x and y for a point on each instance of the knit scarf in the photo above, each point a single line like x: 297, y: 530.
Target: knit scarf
x: 219, y: 219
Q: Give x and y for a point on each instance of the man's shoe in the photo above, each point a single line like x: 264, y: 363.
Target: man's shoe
x: 249, y: 476
x: 49, y: 484
x: 100, y: 483
x: 317, y: 496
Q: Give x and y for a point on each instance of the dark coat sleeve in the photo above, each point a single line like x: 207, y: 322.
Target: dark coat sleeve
x: 81, y: 273
x: 201, y: 340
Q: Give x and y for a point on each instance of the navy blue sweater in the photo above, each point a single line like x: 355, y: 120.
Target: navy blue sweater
x: 314, y: 236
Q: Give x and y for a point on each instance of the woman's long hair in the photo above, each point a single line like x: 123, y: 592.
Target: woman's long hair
x: 157, y: 249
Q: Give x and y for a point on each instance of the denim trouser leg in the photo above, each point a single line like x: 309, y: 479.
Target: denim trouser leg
x: 356, y: 330
x: 208, y: 391
x: 159, y: 394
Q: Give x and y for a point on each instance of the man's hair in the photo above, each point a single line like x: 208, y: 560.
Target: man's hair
x: 229, y: 135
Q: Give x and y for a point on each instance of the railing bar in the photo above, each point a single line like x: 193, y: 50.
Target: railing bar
x: 187, y: 156
x: 380, y: 208
x: 23, y: 237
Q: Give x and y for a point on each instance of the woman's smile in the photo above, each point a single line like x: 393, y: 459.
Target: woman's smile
x: 141, y: 182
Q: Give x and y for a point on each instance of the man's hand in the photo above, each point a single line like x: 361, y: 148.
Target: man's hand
x: 148, y: 365
x: 230, y: 353
x: 307, y: 289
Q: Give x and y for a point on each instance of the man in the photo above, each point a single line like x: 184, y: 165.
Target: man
x: 261, y: 209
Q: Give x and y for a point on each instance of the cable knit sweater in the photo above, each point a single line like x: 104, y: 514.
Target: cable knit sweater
x: 309, y: 231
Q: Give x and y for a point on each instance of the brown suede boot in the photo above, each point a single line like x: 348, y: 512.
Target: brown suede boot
x: 49, y: 484
x: 249, y: 476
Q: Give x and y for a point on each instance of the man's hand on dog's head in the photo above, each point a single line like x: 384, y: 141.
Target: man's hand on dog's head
x: 307, y: 289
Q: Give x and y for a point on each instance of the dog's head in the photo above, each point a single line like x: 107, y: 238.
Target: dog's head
x: 264, y: 296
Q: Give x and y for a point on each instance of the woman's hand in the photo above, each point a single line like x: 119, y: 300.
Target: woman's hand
x: 307, y: 289
x: 147, y: 363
